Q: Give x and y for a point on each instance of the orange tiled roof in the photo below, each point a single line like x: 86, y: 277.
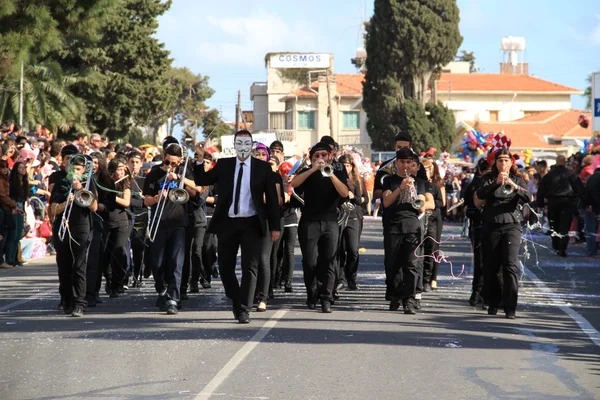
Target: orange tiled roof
x: 533, y: 132
x: 247, y: 125
x: 499, y: 83
x: 346, y: 85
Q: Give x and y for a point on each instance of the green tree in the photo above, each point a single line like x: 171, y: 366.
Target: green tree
x: 467, y: 56
x: 189, y: 110
x: 214, y: 125
x: 128, y: 83
x: 32, y: 34
x: 443, y: 125
x: 407, y: 41
x: 588, y: 93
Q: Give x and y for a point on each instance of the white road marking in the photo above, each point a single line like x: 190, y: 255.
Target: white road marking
x: 26, y: 300
x: 241, y: 354
x: 583, y: 323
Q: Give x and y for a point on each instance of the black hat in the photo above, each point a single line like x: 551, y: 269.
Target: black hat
x: 405, y: 154
x: 276, y: 145
x: 319, y: 146
x: 169, y: 140
x: 69, y: 150
x: 403, y: 136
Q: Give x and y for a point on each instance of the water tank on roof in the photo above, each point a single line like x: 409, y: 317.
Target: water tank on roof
x: 510, y: 43
x: 361, y: 53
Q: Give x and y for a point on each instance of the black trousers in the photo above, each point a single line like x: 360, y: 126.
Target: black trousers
x: 209, y: 255
x: 349, y: 250
x: 500, y: 251
x: 95, y: 262
x: 318, y: 243
x: 138, y: 244
x: 71, y: 258
x: 337, y: 263
x: 244, y: 233
x: 263, y: 279
x: 401, y: 265
x: 165, y: 257
x: 194, y: 241
x: 560, y: 216
x: 274, y: 263
x: 477, y: 246
x: 290, y: 233
x: 116, y: 255
x: 430, y: 247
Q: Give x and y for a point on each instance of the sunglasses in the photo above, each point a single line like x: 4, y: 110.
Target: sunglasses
x: 171, y: 164
x: 321, y: 154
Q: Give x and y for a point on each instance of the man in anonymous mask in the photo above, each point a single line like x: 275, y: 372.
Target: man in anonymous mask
x: 247, y: 200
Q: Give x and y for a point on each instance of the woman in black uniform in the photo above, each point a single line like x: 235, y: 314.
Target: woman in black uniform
x: 434, y: 225
x: 350, y: 235
x: 503, y: 190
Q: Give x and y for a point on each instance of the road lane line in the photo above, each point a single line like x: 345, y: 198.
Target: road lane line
x: 583, y: 323
x: 241, y: 354
x: 26, y: 300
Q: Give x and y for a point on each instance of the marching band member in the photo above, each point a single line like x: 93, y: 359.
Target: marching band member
x: 318, y: 230
x: 475, y: 227
x: 166, y: 253
x: 71, y: 252
x: 503, y: 191
x: 137, y: 239
x: 118, y: 226
x: 247, y: 200
x: 434, y: 226
x: 401, y: 227
x: 209, y: 248
x: 290, y: 231
x: 351, y: 231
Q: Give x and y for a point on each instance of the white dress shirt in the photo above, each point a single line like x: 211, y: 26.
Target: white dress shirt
x: 246, y: 205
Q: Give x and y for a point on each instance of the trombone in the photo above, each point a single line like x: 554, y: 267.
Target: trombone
x: 82, y: 198
x: 417, y: 203
x: 177, y: 195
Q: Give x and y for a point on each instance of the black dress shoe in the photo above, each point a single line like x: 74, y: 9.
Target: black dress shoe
x: 510, y: 315
x: 194, y: 288
x: 409, y: 309
x: 326, y: 306
x: 205, y: 284
x: 68, y: 309
x: 77, y: 312
x: 311, y: 306
x: 394, y: 305
x: 352, y: 285
x: 473, y: 300
x: 215, y: 273
x: 427, y: 287
x: 492, y: 311
x: 243, y: 317
x: 417, y: 304
x: 172, y: 309
x: 289, y: 288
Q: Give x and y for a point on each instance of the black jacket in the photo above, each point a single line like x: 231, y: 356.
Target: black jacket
x: 592, y: 186
x: 261, y: 187
x: 560, y: 184
x: 500, y: 208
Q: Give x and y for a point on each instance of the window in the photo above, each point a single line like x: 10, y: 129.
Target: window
x: 351, y: 119
x: 494, y: 116
x: 277, y: 120
x: 306, y: 120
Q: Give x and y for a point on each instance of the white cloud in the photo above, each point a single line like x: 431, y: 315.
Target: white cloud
x: 250, y: 38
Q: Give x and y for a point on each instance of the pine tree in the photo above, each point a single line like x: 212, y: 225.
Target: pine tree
x: 406, y: 42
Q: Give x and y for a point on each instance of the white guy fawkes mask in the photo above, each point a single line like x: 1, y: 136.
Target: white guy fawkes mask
x: 243, y: 146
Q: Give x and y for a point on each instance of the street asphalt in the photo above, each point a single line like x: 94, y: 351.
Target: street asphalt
x: 127, y: 349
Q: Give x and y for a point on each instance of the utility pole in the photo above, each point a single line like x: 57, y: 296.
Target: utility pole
x: 330, y: 108
x: 238, y: 111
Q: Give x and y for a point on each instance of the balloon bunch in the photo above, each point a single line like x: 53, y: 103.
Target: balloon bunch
x: 474, y: 145
x: 591, y: 145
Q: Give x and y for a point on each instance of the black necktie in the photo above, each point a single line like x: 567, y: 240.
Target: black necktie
x: 238, y: 187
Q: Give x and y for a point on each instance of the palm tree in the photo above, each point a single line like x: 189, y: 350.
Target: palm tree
x: 47, y: 98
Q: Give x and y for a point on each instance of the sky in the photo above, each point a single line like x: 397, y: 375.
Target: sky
x: 227, y: 40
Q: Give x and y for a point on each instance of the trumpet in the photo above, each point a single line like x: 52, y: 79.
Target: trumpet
x: 327, y: 170
x: 417, y: 203
x: 507, y: 188
x: 82, y: 198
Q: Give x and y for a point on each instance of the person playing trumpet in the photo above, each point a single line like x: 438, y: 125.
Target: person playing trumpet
x: 166, y: 253
x: 404, y: 198
x: 318, y: 231
x: 72, y: 250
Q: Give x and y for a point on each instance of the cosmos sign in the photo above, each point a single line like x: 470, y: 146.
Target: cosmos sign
x: 299, y: 60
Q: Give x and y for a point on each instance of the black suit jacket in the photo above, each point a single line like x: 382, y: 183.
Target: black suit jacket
x: 261, y: 187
